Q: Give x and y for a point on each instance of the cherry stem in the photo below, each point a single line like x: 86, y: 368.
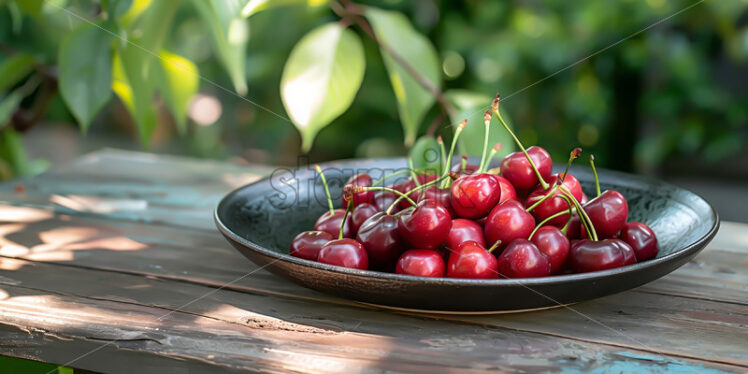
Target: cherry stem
x: 380, y: 180
x: 345, y: 217
x: 572, y: 156
x: 460, y: 127
x: 496, y: 148
x: 405, y: 195
x: 494, y: 246
x: 463, y: 164
x: 582, y: 214
x: 594, y: 171
x: 543, y: 222
x: 443, y: 155
x: 327, y: 190
x: 495, y: 109
x: 544, y: 198
x: 572, y: 209
x: 412, y: 171
x: 487, y: 123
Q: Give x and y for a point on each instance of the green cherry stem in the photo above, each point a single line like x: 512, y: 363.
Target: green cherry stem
x: 327, y: 190
x: 582, y: 214
x: 443, y: 155
x: 544, y: 198
x: 405, y: 195
x: 543, y: 222
x: 594, y: 171
x: 460, y: 127
x: 572, y: 156
x: 487, y: 124
x: 412, y: 171
x: 494, y: 246
x: 496, y: 148
x: 382, y: 179
x: 345, y: 217
x: 495, y: 109
x: 463, y: 163
x: 572, y: 209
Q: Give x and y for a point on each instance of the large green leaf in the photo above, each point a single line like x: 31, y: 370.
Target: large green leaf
x: 426, y: 155
x: 118, y: 8
x: 178, y: 81
x: 13, y: 69
x: 86, y: 72
x: 254, y: 6
x: 394, y: 30
x: 230, y: 36
x: 471, y: 106
x: 321, y: 78
x: 134, y: 86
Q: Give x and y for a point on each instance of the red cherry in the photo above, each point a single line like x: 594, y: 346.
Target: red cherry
x: 421, y: 263
x: 555, y: 204
x: 441, y: 196
x: 362, y: 180
x: 508, y: 221
x: 426, y: 226
x: 554, y: 245
x: 330, y: 223
x: 472, y: 260
x: 381, y: 238
x: 464, y: 230
x: 307, y: 244
x: 608, y: 213
x: 587, y: 255
x: 469, y: 169
x: 360, y: 214
x: 408, y: 186
x: 383, y: 199
x: 344, y: 252
x: 522, y: 259
x: 574, y: 229
x: 517, y: 169
x: 641, y: 238
x: 473, y: 196
x: 507, y: 190
x: 584, y: 199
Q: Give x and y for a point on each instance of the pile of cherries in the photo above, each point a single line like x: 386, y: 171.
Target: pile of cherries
x: 516, y: 221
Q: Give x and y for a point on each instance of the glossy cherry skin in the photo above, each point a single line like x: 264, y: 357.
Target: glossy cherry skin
x: 507, y: 190
x: 554, y: 204
x: 383, y: 200
x: 464, y: 230
x: 330, y: 223
x: 360, y: 214
x: 574, y: 229
x: 421, y: 263
x: 409, y: 185
x: 554, y: 245
x: 608, y: 213
x: 427, y: 226
x: 508, y: 221
x: 587, y: 255
x: 472, y: 260
x: 469, y: 169
x: 473, y: 196
x: 307, y: 244
x: 441, y: 196
x: 344, y: 252
x: 641, y: 238
x: 523, y: 259
x: 516, y: 168
x: 380, y: 236
x: 362, y: 180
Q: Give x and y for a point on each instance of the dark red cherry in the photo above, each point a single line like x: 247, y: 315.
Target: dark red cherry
x: 307, y: 244
x: 361, y: 213
x: 421, y: 263
x: 642, y: 240
x: 608, y: 213
x: 574, y: 230
x: 362, y: 180
x: 508, y: 221
x: 344, y: 252
x: 330, y: 223
x: 427, y: 226
x: 441, y: 196
x: 554, y: 245
x: 523, y: 259
x: 553, y: 205
x: 473, y: 196
x: 381, y: 238
x: 587, y: 255
x: 516, y: 168
x: 383, y: 200
x: 507, y: 190
x: 472, y: 260
x: 469, y: 168
x: 464, y: 230
x: 409, y: 185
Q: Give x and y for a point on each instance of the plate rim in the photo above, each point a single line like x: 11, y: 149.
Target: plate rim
x: 539, y: 281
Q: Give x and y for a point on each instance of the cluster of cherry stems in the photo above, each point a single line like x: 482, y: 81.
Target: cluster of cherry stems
x: 470, y: 222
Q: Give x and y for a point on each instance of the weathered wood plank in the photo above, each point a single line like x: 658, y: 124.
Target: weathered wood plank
x: 243, y: 331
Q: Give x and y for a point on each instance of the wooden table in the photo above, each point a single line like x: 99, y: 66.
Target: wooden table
x: 113, y: 263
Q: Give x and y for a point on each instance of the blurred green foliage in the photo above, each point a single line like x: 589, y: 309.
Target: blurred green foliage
x: 637, y: 82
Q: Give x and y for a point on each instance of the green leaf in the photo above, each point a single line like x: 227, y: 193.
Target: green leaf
x: 394, y: 30
x: 86, y: 72
x: 14, y: 69
x: 118, y: 8
x: 178, y: 81
x: 321, y: 78
x: 31, y: 7
x: 230, y: 36
x: 426, y: 154
x: 133, y: 86
x: 471, y: 106
x: 8, y: 105
x: 254, y: 6
x: 137, y: 8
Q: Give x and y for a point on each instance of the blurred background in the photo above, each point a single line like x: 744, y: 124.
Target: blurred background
x: 650, y: 86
